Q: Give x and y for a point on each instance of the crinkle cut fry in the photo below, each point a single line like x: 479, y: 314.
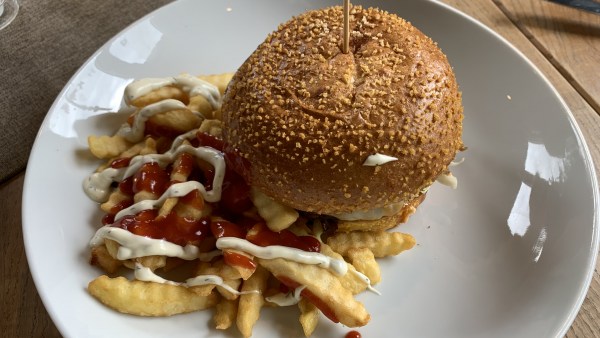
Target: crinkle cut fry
x: 147, y: 298
x: 323, y: 285
x: 225, y: 313
x: 381, y: 243
x: 350, y: 281
x: 309, y: 316
x: 250, y: 303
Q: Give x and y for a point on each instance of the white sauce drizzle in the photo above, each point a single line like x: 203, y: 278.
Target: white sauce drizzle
x: 175, y: 190
x: 287, y: 299
x: 134, y: 246
x: 448, y: 180
x: 208, y: 256
x: 455, y: 163
x: 97, y: 185
x: 143, y: 273
x: 193, y: 86
x: 135, y: 132
x: 378, y: 159
x: 277, y: 251
x: 366, y: 280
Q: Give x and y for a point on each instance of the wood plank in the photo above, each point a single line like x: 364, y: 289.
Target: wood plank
x: 25, y: 315
x: 587, y: 323
x: 569, y: 38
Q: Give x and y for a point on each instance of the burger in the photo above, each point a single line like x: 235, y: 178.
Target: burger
x: 357, y: 136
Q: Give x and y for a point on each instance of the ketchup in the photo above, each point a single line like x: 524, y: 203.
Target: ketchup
x: 151, y: 178
x: 229, y: 218
x: 316, y: 301
x: 261, y: 235
x: 120, y: 162
x: 184, y: 165
x: 208, y: 140
x: 233, y: 258
x: 173, y: 228
x: 353, y: 334
x: 235, y: 195
x: 222, y: 228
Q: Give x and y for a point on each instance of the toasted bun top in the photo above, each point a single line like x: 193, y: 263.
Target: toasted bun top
x: 306, y: 116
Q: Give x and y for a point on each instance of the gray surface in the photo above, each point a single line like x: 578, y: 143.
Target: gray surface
x: 39, y: 51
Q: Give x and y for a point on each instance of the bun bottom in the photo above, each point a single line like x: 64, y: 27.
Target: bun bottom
x: 383, y: 223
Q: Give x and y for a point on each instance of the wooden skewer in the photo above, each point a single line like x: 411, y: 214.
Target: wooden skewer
x: 346, y: 45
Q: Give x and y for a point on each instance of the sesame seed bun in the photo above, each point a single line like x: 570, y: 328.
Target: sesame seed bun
x: 306, y: 116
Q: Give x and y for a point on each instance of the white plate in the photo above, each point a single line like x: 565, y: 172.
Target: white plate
x: 510, y: 253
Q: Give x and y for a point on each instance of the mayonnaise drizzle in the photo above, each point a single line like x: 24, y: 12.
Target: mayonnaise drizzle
x: 365, y: 280
x: 277, y: 251
x: 97, y: 185
x: 338, y: 266
x: 448, y: 180
x: 134, y: 246
x: 378, y: 159
x: 193, y: 86
x: 143, y: 273
x: 455, y: 163
x: 135, y: 132
x: 287, y: 299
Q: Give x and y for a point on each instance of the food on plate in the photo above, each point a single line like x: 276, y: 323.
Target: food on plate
x: 147, y: 298
x: 357, y: 136
x: 276, y: 186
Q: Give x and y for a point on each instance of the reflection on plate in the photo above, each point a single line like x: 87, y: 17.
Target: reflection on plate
x: 510, y: 253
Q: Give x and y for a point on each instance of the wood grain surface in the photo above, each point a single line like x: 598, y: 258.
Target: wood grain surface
x: 568, y: 38
x: 563, y: 43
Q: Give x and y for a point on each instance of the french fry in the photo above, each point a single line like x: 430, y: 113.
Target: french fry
x: 147, y: 298
x: 105, y: 147
x: 168, y: 92
x: 149, y: 146
x: 211, y: 127
x: 225, y: 313
x: 251, y: 303
x: 381, y: 243
x: 229, y: 272
x: 277, y: 216
x: 309, y: 316
x: 152, y: 262
x: 244, y: 271
x: 337, y: 302
x: 112, y: 247
x: 202, y: 290
x: 231, y: 283
x: 364, y: 261
x: 200, y: 104
x: 167, y: 206
x: 102, y: 258
x: 178, y: 121
x: 116, y: 197
x: 350, y: 281
x: 219, y: 80
x: 204, y: 268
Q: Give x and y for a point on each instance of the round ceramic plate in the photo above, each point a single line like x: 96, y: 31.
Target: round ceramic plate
x: 509, y: 253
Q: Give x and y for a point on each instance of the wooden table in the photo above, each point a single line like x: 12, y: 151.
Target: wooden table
x: 563, y: 43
